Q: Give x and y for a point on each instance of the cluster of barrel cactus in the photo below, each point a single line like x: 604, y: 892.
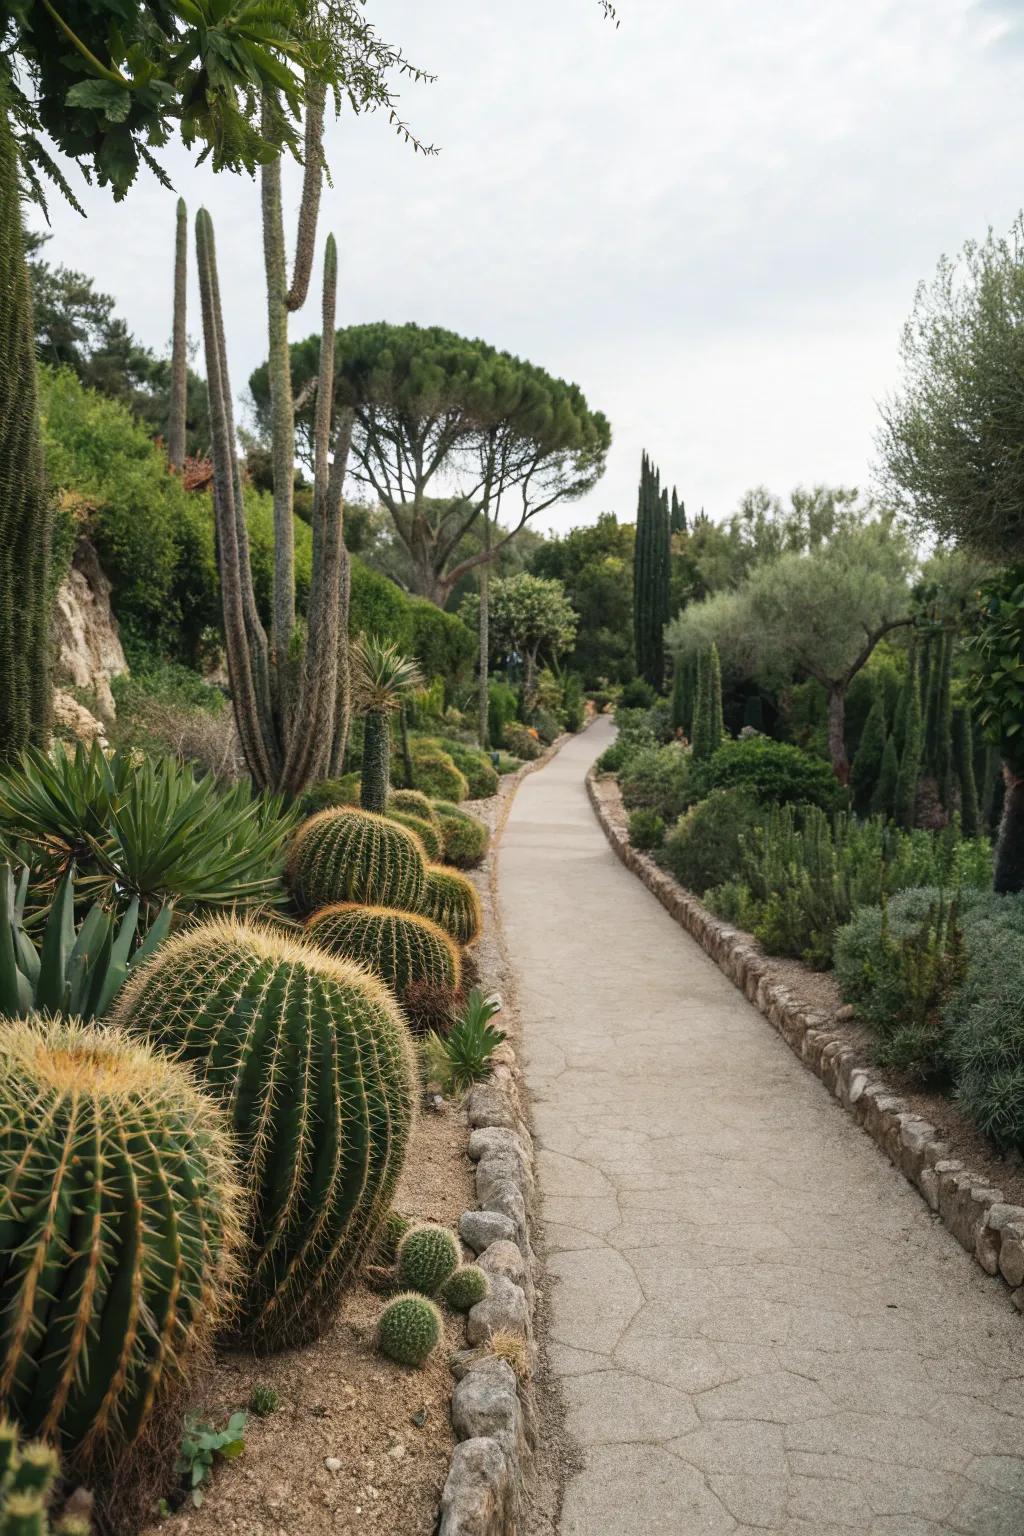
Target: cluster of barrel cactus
x: 351, y: 855
x: 427, y: 1263
x: 401, y: 947
x: 311, y: 1057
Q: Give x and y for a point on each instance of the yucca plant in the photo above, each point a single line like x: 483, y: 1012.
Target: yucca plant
x: 381, y: 678
x: 463, y: 1057
x: 76, y: 972
x: 141, y: 827
x: 311, y: 1058
x: 119, y: 1232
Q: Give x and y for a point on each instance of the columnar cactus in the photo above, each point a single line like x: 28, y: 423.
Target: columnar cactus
x: 409, y: 1329
x: 428, y: 832
x: 453, y: 902
x: 311, y: 1058
x: 402, y: 948
x: 119, y: 1232
x: 427, y: 1255
x: 350, y: 855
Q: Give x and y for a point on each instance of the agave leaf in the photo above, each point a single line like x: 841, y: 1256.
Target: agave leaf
x: 58, y: 941
x: 13, y: 985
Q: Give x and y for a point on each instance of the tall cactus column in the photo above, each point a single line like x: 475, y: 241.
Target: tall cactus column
x: 25, y: 510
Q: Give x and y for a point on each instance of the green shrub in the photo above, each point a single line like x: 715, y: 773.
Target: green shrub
x: 412, y: 802
x: 573, y: 710
x: 658, y: 779
x: 443, y: 645
x: 465, y: 836
x: 472, y: 762
x: 165, y: 708
x: 327, y: 794
x: 311, y: 1058
x: 435, y: 773
x: 637, y: 694
x: 401, y: 948
x: 522, y: 742
x: 646, y: 830
x: 547, y: 725
x: 352, y: 855
x: 119, y: 1231
x: 704, y: 847
x: 775, y: 773
x: 987, y: 1045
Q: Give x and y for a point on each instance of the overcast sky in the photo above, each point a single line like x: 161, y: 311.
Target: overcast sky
x: 712, y: 218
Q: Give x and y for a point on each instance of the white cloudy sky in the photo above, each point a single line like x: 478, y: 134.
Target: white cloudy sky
x: 712, y: 218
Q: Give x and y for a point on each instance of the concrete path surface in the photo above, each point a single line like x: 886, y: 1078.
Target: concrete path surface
x: 757, y: 1324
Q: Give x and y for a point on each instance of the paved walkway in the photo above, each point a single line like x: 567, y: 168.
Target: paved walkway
x: 757, y: 1324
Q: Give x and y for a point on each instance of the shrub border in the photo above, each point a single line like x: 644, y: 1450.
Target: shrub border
x: 983, y: 1223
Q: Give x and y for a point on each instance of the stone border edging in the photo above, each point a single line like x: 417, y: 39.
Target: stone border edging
x: 983, y: 1223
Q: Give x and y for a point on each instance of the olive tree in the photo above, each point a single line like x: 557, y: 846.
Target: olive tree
x: 529, y: 614
x: 951, y: 455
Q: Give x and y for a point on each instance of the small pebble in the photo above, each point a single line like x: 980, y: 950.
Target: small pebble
x: 332, y: 1464
x: 419, y: 1418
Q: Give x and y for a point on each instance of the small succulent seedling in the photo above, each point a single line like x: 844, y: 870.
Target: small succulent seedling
x: 264, y: 1400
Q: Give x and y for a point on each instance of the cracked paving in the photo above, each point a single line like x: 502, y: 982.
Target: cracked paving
x: 756, y: 1322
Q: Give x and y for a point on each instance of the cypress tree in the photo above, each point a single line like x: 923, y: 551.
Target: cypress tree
x: 25, y: 505
x: 715, y: 690
x: 700, y: 733
x: 963, y: 753
x: 708, y: 728
x: 677, y: 521
x: 943, y: 729
x: 867, y: 762
x: 910, y: 759
x: 883, y: 798
x: 679, y: 706
x: 651, y: 575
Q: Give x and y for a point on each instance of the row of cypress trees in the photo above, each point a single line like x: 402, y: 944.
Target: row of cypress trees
x: 658, y: 516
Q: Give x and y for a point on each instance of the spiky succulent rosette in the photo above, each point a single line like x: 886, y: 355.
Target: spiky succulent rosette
x: 350, y: 855
x: 453, y: 902
x: 119, y: 1230
x: 402, y: 948
x: 311, y: 1057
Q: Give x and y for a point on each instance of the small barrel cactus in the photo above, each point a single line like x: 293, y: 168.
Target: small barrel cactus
x: 466, y: 1286
x: 403, y: 949
x: 453, y: 902
x: 313, y: 1061
x: 427, y: 1255
x: 119, y: 1231
x: 428, y: 832
x: 410, y: 1329
x: 264, y: 1400
x: 390, y: 1233
x: 350, y: 855
x: 413, y: 802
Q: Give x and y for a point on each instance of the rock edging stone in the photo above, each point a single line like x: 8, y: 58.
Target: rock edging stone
x: 990, y: 1230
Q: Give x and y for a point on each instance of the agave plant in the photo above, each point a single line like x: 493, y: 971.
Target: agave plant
x: 381, y: 679
x: 141, y: 827
x: 77, y: 973
x: 463, y: 1056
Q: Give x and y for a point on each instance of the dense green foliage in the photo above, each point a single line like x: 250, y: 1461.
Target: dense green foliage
x: 657, y: 778
x: 435, y: 774
x: 310, y: 1057
x: 465, y: 837
x: 651, y: 576
x: 132, y: 1304
x: 704, y: 849
x: 771, y: 771
x: 646, y: 829
x: 595, y: 566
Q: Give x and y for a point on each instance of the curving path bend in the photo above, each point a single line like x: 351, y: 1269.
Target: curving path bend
x: 757, y: 1324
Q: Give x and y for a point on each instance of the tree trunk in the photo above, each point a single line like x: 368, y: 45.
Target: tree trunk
x: 1009, y: 876
x: 837, y: 733
x: 375, y: 786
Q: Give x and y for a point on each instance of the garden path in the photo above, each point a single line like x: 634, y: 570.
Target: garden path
x: 756, y: 1323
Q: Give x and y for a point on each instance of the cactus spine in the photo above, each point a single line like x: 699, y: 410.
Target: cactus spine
x: 312, y: 1060
x: 350, y: 855
x: 119, y: 1226
x: 25, y: 503
x: 427, y: 1255
x: 179, y: 345
x: 409, y: 1329
x: 651, y: 574
x: 453, y: 902
x: 402, y: 948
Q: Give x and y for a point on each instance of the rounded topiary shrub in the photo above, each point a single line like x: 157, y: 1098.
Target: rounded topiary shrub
x: 465, y: 836
x: 434, y: 772
x: 428, y: 832
x: 402, y: 948
x: 704, y: 848
x: 646, y: 830
x: 658, y: 779
x: 119, y: 1233
x: 473, y: 763
x: 778, y: 774
x: 312, y: 1061
x: 352, y: 855
x: 453, y: 901
x: 328, y: 793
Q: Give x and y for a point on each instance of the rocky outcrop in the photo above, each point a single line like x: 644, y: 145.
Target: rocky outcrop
x: 88, y: 651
